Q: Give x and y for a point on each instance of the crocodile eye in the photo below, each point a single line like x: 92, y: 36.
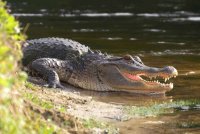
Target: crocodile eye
x: 138, y: 59
x: 128, y: 57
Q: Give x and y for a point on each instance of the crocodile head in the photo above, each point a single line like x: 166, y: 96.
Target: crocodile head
x: 130, y: 74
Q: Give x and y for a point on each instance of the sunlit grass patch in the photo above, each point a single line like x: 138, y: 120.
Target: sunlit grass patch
x: 38, y: 101
x: 102, y: 126
x: 92, y: 123
x: 31, y: 86
x: 159, y: 108
x: 40, y: 125
x: 20, y: 124
x: 62, y: 109
x: 188, y: 124
x: 41, y: 102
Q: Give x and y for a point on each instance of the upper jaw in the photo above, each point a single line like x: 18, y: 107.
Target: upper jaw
x: 150, y: 82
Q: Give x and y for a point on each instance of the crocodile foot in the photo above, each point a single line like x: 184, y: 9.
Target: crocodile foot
x: 55, y: 85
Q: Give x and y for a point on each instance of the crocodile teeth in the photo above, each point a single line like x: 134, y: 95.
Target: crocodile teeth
x: 152, y: 79
x: 171, y: 85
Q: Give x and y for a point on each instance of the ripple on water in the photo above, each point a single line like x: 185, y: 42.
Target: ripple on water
x: 176, y: 43
x: 186, y: 13
x: 148, y: 14
x: 28, y: 14
x: 193, y: 19
x: 90, y: 30
x: 43, y: 10
x: 174, y: 16
x: 106, y: 14
x: 67, y: 15
x: 174, y: 52
x: 164, y: 14
x: 190, y: 73
x: 132, y: 38
x: 114, y: 38
x: 155, y: 30
x: 117, y: 14
x: 83, y: 30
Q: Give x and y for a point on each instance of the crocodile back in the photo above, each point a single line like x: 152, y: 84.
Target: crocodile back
x: 64, y: 49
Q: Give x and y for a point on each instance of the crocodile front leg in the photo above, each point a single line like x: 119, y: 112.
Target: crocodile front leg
x: 50, y: 68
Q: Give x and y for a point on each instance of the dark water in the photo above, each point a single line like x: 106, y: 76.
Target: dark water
x: 162, y: 32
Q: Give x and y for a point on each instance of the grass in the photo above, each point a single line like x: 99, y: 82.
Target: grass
x: 16, y: 118
x: 13, y: 119
x: 44, y: 104
x: 35, y: 99
x: 92, y: 123
x: 104, y: 127
x: 157, y: 109
x: 31, y: 86
x: 38, y: 101
x: 87, y: 123
x: 24, y: 125
x: 62, y: 109
x: 54, y: 115
x: 188, y: 124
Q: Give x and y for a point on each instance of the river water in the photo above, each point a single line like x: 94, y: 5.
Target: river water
x: 160, y: 32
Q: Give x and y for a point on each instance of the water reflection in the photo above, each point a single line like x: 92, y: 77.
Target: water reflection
x: 187, y: 122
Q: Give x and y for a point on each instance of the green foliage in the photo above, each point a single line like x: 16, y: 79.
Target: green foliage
x: 9, y: 25
x: 105, y: 127
x: 13, y: 120
x: 31, y: 86
x: 157, y: 109
x: 91, y: 123
x: 62, y: 109
x: 188, y: 124
x: 10, y: 54
x: 38, y: 101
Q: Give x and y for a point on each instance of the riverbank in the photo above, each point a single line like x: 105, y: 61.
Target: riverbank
x: 103, y: 117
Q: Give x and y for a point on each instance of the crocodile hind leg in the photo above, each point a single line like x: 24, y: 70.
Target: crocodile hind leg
x: 47, y: 67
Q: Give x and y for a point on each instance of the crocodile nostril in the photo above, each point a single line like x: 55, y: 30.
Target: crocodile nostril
x: 170, y: 69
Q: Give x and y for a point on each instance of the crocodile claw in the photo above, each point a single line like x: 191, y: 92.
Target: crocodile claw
x: 58, y: 85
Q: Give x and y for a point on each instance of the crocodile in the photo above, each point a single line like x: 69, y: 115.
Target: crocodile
x: 63, y: 60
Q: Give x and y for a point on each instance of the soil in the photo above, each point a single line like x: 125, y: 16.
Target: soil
x: 77, y: 105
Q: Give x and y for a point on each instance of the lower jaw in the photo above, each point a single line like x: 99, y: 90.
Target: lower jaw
x: 149, y: 86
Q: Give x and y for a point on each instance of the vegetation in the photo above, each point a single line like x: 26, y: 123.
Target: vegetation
x: 42, y: 103
x: 23, y: 113
x: 15, y: 117
x: 157, y: 109
x: 38, y: 101
x: 104, y: 127
x: 188, y: 124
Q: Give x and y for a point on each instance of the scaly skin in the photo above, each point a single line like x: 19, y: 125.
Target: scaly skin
x: 65, y: 60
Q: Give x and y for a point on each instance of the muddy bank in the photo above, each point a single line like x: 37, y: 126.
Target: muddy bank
x: 124, y: 118
x: 80, y: 106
